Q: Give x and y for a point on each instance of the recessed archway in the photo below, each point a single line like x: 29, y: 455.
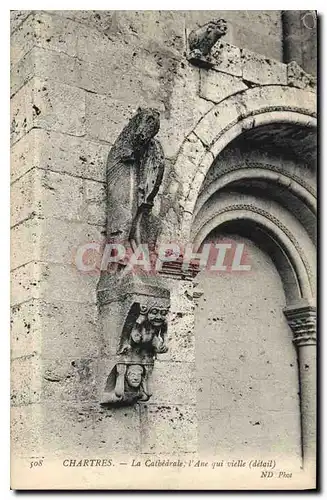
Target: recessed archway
x: 265, y: 195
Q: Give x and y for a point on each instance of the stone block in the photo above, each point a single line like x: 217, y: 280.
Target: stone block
x: 203, y: 391
x: 21, y: 40
x: 169, y: 429
x: 73, y: 155
x: 52, y: 282
x: 25, y: 242
x: 24, y: 155
x: 25, y: 329
x: 62, y: 196
x: 181, y: 296
x: 136, y: 77
x: 60, y: 153
x: 173, y: 383
x: 183, y: 108
x: 69, y: 330
x: 17, y: 17
x: 166, y: 27
x: 208, y: 127
x: 266, y: 22
x: 180, y: 338
x: 70, y: 379
x: 118, y: 429
x: 216, y: 86
x: 25, y: 431
x: 105, y: 118
x: 227, y: 58
x: 43, y: 193
x: 64, y: 282
x: 48, y: 105
x: 99, y: 19
x: 62, y: 241
x: 22, y: 72
x: 131, y: 28
x: 258, y: 42
x: 21, y: 112
x: 297, y: 77
x: 60, y: 107
x: 24, y: 203
x: 55, y: 330
x: 259, y: 69
x: 68, y: 197
x: 45, y: 64
x: 211, y: 432
x: 95, y: 201
x: 25, y: 283
x: 186, y: 165
x: 74, y: 429
x: 265, y: 434
x: 40, y: 29
x: 25, y: 380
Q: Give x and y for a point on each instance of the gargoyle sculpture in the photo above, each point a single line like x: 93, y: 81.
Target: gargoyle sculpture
x: 135, y: 168
x: 126, y: 385
x: 201, y: 40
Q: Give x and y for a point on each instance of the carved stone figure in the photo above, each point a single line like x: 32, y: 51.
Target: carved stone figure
x: 145, y: 329
x: 126, y: 385
x: 201, y: 40
x: 135, y: 168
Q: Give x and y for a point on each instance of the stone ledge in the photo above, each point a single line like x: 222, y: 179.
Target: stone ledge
x: 216, y: 86
x: 261, y: 70
x: 251, y: 67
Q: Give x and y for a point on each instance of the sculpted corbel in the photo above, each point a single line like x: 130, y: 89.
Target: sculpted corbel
x: 202, y: 40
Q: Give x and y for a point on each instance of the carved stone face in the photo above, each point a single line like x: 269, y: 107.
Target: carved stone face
x: 148, y: 124
x: 136, y: 336
x: 157, y: 316
x: 134, y: 375
x: 219, y: 26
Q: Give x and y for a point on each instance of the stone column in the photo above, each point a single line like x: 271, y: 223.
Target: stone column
x: 302, y: 320
x: 300, y: 38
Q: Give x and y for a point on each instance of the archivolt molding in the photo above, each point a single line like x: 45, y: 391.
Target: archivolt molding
x: 281, y: 169
x: 229, y: 119
x: 271, y: 173
x: 280, y: 233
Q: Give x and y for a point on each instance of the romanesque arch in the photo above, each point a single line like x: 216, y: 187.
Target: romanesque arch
x: 279, y: 216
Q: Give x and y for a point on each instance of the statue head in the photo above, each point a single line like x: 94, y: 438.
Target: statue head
x: 136, y: 335
x: 134, y: 375
x: 147, y: 124
x: 218, y: 27
x: 157, y: 316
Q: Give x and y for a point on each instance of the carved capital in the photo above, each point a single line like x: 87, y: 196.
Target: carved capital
x: 302, y: 320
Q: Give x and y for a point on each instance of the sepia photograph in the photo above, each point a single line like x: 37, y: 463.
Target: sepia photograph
x: 163, y: 249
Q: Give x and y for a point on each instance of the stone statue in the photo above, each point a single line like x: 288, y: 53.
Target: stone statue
x: 126, y: 385
x: 145, y: 329
x: 201, y: 40
x: 135, y: 168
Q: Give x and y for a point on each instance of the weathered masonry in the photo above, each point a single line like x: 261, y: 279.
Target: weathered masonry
x: 164, y: 127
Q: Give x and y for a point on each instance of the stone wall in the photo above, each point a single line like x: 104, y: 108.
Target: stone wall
x: 246, y: 364
x: 77, y: 78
